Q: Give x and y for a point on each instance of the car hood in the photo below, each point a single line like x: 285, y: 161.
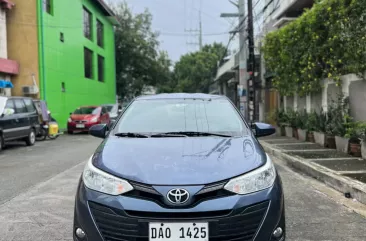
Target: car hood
x: 179, y: 161
x: 82, y: 117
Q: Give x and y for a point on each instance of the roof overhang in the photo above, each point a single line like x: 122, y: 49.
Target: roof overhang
x: 9, y: 66
x: 108, y: 12
x: 294, y: 8
x: 6, y: 4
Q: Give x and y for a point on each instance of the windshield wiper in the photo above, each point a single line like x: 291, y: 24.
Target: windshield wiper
x: 193, y: 133
x: 168, y: 134
x: 131, y: 134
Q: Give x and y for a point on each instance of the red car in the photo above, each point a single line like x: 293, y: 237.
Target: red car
x: 85, y: 117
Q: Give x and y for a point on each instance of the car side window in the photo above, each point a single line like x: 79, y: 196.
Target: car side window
x: 10, y: 105
x: 29, y: 105
x: 20, y: 106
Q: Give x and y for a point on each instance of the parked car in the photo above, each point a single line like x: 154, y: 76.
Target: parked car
x: 85, y: 117
x: 19, y: 120
x: 112, y: 110
x: 180, y: 167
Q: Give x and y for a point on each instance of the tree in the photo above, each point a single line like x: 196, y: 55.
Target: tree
x: 194, y: 72
x: 138, y: 61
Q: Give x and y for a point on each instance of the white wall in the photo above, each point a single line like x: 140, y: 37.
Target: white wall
x: 3, y: 36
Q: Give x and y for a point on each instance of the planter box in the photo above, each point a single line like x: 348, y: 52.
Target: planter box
x: 363, y: 149
x: 295, y: 133
x: 342, y: 144
x: 302, y: 134
x: 288, y: 131
x: 280, y: 131
x: 319, y: 138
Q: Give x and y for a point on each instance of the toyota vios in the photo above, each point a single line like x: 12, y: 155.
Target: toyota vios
x: 180, y: 167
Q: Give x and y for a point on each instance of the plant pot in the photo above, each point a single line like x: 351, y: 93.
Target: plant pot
x: 289, y: 132
x: 355, y: 149
x: 330, y: 141
x: 311, y: 137
x: 342, y: 144
x: 280, y: 131
x: 301, y: 134
x: 363, y: 149
x: 295, y: 133
x: 319, y: 138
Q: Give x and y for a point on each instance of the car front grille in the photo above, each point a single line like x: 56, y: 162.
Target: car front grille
x: 238, y: 225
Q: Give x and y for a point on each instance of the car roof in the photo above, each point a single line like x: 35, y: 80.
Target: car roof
x: 180, y: 96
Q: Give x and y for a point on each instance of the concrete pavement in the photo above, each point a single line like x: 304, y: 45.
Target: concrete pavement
x: 45, y: 211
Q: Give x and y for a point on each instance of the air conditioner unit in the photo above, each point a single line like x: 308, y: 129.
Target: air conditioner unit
x: 30, y: 90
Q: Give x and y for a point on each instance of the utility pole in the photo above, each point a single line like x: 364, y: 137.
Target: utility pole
x: 197, y: 32
x: 243, y: 53
x: 251, y: 65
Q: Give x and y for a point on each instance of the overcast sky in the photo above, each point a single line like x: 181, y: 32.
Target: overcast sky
x: 172, y: 17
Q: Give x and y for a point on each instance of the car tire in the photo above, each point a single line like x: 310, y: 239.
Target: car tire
x: 70, y: 132
x: 31, y: 139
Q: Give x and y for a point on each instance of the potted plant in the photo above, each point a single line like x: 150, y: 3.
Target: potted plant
x: 354, y: 133
x: 319, y: 128
x: 290, y: 121
x: 281, y: 120
x: 301, y: 120
x: 310, y: 126
x: 329, y: 140
x: 293, y: 121
x: 342, y: 121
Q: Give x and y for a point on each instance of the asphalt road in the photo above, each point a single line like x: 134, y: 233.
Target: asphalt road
x: 22, y: 167
x: 38, y: 186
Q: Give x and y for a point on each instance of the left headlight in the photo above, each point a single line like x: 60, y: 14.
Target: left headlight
x: 257, y: 180
x: 100, y: 181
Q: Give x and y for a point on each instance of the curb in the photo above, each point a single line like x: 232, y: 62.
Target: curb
x: 330, y: 178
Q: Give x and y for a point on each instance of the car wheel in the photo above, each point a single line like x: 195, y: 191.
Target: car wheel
x: 42, y: 135
x: 70, y: 132
x: 31, y: 139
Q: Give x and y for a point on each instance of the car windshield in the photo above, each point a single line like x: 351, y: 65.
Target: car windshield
x: 182, y: 115
x: 111, y: 108
x: 87, y: 111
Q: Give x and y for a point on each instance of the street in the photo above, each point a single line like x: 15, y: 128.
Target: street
x: 38, y: 186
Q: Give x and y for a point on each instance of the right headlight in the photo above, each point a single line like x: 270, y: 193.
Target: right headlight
x: 100, y: 181
x: 257, y: 180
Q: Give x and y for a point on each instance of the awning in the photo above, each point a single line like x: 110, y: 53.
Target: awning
x: 6, y: 84
x: 6, y: 4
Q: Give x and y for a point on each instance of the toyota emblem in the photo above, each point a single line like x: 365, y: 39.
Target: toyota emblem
x: 178, y: 196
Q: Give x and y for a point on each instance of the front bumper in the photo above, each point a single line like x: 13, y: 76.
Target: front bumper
x: 249, y: 217
x: 72, y: 126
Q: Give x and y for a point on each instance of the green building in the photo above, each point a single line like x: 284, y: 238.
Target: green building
x: 70, y: 53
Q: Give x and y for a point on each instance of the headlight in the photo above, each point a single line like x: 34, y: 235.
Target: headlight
x: 69, y: 120
x: 94, y: 119
x: 257, y: 180
x: 100, y: 181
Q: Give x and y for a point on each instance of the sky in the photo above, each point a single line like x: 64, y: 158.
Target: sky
x: 172, y: 17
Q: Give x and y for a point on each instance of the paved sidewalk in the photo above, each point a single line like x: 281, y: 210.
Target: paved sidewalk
x: 340, y: 171
x: 44, y: 213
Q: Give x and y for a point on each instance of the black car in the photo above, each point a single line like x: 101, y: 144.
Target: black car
x: 180, y: 167
x: 19, y: 120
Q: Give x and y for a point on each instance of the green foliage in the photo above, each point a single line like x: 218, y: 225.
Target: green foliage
x: 281, y: 117
x: 301, y: 118
x: 311, y: 123
x: 195, y: 71
x: 292, y: 117
x: 327, y: 41
x: 339, y: 119
x: 138, y: 61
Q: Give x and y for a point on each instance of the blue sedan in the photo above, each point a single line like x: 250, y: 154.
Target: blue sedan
x: 180, y: 167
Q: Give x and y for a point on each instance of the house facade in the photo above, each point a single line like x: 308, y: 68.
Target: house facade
x: 65, y: 50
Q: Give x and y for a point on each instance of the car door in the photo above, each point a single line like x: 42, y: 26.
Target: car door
x: 32, y: 113
x: 7, y: 122
x: 21, y: 118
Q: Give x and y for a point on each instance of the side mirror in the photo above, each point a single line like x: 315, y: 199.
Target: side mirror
x: 99, y: 131
x: 263, y: 129
x: 8, y: 111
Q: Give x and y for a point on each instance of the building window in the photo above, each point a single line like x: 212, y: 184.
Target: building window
x: 100, y: 33
x: 47, y: 6
x: 87, y: 24
x: 88, y: 63
x: 100, y: 68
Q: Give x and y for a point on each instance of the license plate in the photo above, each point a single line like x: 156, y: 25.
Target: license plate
x: 80, y: 126
x: 178, y: 231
